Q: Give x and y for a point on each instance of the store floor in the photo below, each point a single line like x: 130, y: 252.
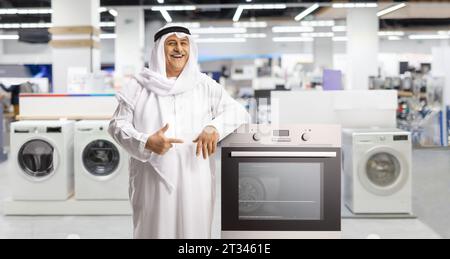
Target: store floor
x: 431, y: 199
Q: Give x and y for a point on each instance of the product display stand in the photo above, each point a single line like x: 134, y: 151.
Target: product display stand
x: 70, y: 207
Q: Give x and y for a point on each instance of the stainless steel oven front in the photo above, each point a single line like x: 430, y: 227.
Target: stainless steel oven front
x: 282, y: 182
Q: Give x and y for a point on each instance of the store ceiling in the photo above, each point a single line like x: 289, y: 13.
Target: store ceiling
x: 431, y: 14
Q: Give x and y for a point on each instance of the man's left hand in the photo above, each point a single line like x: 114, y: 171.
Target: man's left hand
x: 207, y: 141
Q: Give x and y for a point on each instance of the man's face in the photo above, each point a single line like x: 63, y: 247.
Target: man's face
x: 177, y: 54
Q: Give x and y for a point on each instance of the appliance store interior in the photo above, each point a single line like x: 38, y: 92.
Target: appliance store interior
x: 348, y: 102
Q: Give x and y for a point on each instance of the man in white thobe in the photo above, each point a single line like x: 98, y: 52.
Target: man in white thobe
x: 169, y: 119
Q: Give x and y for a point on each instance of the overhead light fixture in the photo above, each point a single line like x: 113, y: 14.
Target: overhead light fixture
x: 318, y: 35
x: 24, y: 25
x: 292, y: 39
x: 429, y: 37
x: 288, y: 29
x: 218, y: 30
x: 307, y: 12
x: 165, y: 14
x: 241, y: 8
x: 323, y: 23
x: 250, y: 24
x: 160, y: 1
x: 394, y: 38
x: 339, y: 28
x: 355, y: 5
x: 221, y: 40
x: 107, y: 36
x: 107, y: 24
x: 391, y: 33
x: 340, y: 38
x: 26, y: 11
x: 102, y: 9
x: 251, y: 35
x: 113, y: 12
x: 390, y: 9
x: 174, y: 8
x: 9, y: 37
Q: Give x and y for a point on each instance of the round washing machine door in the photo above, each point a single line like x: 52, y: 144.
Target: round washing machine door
x: 383, y: 171
x: 101, y: 158
x: 37, y: 159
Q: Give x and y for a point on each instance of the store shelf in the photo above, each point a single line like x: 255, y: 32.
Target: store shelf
x: 70, y: 207
x: 410, y: 94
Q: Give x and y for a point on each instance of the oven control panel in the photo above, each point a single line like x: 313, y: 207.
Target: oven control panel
x: 304, y: 135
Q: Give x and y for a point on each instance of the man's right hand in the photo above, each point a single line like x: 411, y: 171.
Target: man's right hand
x: 159, y: 144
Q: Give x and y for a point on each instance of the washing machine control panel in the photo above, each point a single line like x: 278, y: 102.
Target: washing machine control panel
x: 304, y: 135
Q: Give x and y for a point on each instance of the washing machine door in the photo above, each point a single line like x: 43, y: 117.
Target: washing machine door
x: 101, y: 158
x: 37, y: 159
x: 383, y: 171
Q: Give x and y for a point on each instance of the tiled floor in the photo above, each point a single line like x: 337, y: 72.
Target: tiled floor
x: 431, y: 205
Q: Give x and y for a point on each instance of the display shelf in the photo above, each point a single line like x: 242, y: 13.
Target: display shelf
x: 69, y: 207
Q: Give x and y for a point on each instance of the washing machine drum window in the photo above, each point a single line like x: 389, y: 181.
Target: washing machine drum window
x: 383, y: 169
x: 36, y: 158
x: 101, y: 158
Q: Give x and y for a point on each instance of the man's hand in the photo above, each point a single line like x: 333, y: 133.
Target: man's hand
x: 207, y: 142
x: 159, y: 144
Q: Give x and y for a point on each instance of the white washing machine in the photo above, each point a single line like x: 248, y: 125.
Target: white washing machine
x: 101, y: 165
x: 377, y: 171
x: 42, y: 160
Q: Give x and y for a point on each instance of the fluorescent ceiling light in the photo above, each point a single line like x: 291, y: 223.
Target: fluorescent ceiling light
x: 390, y: 9
x: 429, y: 37
x: 307, y: 12
x: 339, y: 28
x: 113, y: 12
x: 318, y: 34
x: 218, y: 30
x: 323, y: 23
x: 9, y: 37
x: 292, y: 39
x: 24, y: 25
x: 102, y: 9
x: 281, y: 29
x: 394, y: 38
x: 241, y: 8
x: 221, y: 40
x: 238, y: 14
x: 391, y: 33
x: 107, y: 24
x: 250, y: 24
x: 26, y: 11
x: 161, y: 1
x: 355, y: 5
x: 175, y: 8
x: 165, y: 14
x: 340, y: 38
x: 186, y: 24
x: 106, y: 36
x: 251, y: 35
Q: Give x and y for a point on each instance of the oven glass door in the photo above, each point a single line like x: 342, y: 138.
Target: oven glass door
x: 281, y: 189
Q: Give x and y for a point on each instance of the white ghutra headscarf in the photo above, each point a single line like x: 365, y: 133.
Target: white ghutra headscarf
x: 155, y: 78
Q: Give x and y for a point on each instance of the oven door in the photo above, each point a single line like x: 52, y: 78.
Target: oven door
x: 281, y: 189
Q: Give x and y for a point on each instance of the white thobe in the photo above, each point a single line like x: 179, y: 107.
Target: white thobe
x: 172, y: 196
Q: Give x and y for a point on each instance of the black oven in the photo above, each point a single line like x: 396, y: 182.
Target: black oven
x: 278, y: 186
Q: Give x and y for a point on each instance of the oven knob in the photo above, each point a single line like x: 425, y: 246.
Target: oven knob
x: 256, y: 137
x: 306, y: 137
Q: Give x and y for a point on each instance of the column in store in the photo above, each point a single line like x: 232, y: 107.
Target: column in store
x: 75, y: 40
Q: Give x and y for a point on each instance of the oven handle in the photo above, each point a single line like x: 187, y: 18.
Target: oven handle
x: 283, y: 154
